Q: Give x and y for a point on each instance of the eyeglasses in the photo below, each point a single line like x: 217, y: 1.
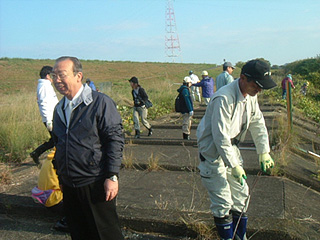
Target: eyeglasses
x: 61, y: 76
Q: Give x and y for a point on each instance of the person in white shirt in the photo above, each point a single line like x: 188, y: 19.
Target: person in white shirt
x: 47, y: 100
x: 194, y: 89
x: 231, y: 112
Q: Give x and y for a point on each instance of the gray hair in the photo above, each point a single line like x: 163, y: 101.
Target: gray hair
x: 77, y: 66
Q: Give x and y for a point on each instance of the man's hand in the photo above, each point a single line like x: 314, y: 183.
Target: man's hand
x: 191, y: 113
x: 266, y: 162
x: 49, y: 126
x: 111, y: 189
x: 239, y: 174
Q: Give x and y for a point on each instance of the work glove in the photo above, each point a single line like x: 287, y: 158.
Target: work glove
x: 239, y: 174
x: 191, y: 113
x: 266, y: 162
x: 49, y: 126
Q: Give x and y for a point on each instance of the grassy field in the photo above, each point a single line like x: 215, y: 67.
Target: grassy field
x: 21, y: 129
x: 22, y: 74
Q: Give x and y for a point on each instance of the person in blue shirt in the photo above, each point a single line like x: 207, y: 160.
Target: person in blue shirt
x: 187, y: 107
x: 207, y: 84
x: 225, y: 77
x: 91, y: 84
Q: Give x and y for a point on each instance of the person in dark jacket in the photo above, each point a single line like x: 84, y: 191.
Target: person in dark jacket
x: 89, y: 142
x: 187, y: 107
x: 207, y: 84
x: 139, y: 110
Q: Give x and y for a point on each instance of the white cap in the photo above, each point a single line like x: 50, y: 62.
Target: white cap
x: 204, y: 73
x: 187, y: 80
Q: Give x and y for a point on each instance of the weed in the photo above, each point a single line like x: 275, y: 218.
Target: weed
x: 204, y: 230
x: 282, y: 140
x: 161, y: 204
x: 128, y: 159
x: 153, y: 162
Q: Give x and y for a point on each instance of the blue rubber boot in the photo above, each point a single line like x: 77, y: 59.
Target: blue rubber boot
x: 242, y: 227
x: 224, y: 227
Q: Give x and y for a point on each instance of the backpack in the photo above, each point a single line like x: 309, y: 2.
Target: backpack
x: 178, y: 105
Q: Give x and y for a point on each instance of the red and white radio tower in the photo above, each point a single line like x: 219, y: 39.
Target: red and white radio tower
x: 172, y: 43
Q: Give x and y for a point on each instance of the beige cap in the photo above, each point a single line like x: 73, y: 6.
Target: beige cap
x: 204, y: 73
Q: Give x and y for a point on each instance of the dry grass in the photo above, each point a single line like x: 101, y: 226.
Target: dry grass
x: 128, y: 159
x: 153, y: 162
x: 161, y: 204
x: 282, y: 141
x: 5, y: 174
x: 21, y: 127
x: 18, y: 74
x: 203, y: 229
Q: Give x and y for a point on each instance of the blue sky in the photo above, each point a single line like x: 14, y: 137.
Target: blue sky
x: 280, y: 31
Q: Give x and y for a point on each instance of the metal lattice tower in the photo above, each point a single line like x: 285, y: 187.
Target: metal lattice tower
x: 172, y: 44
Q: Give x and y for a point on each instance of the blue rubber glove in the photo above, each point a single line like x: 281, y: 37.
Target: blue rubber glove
x: 239, y: 174
x: 266, y: 161
x: 191, y: 113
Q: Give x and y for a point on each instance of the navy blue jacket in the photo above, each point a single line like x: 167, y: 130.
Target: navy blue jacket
x: 91, y: 148
x: 207, y: 84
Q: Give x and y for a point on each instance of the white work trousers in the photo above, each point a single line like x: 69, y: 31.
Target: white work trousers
x: 195, y: 91
x: 225, y: 192
x: 186, y: 123
x: 143, y: 113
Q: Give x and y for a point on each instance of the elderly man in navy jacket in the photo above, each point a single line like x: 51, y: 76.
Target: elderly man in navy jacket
x: 89, y: 143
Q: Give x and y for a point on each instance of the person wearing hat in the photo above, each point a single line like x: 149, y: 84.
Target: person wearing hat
x: 207, y: 85
x: 232, y: 111
x: 225, y: 77
x: 186, y: 107
x: 194, y: 90
x: 139, y: 110
x: 288, y: 78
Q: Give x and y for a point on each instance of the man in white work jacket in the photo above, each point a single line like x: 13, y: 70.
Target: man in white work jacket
x: 231, y: 112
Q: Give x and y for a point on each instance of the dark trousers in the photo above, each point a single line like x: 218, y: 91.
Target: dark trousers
x: 58, y: 209
x: 46, y: 145
x: 89, y: 215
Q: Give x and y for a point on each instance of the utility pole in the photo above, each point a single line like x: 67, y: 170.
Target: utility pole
x: 172, y: 44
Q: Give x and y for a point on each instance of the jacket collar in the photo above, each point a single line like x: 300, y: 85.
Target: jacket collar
x: 85, y: 97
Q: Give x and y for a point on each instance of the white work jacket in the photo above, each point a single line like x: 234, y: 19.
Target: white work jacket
x: 194, y: 78
x: 229, y: 115
x: 47, y: 99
